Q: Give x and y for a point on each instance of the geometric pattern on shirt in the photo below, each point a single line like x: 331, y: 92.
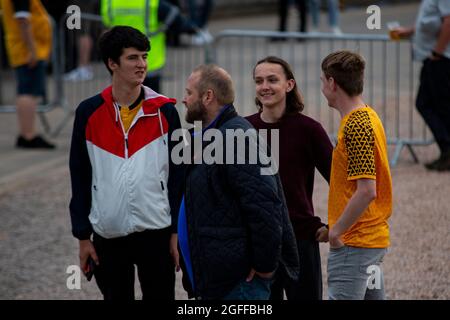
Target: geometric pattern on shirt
x: 360, y: 144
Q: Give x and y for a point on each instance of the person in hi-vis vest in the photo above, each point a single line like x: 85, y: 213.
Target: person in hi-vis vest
x: 153, y: 18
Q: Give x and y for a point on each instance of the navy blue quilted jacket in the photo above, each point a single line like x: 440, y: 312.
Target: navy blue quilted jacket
x: 237, y: 220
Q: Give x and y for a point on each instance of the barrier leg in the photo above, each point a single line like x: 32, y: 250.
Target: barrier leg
x: 396, y: 156
x: 68, y: 115
x: 413, y: 153
x: 44, y: 122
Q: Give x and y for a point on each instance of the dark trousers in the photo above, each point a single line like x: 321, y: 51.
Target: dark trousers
x: 283, y: 11
x: 309, y: 286
x: 433, y: 100
x: 173, y: 36
x: 199, y: 14
x: 149, y: 251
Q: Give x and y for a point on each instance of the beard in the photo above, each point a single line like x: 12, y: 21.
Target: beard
x: 195, y: 112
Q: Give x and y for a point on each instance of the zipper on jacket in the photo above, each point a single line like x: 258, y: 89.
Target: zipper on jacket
x: 125, y: 134
x: 126, y: 145
x: 162, y: 185
x: 135, y: 120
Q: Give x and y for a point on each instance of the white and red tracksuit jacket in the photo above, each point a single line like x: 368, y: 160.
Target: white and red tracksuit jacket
x: 124, y: 182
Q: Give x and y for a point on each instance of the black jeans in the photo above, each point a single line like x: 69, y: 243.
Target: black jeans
x: 433, y: 100
x: 309, y: 286
x: 283, y: 11
x: 149, y: 251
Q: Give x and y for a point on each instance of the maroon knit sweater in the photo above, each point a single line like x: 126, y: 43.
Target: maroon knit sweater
x: 304, y: 145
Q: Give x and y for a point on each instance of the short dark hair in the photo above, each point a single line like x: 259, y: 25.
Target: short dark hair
x: 113, y: 41
x: 294, y: 100
x: 347, y: 69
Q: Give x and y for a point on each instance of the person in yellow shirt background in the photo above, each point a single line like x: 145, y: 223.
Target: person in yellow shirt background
x: 28, y: 38
x: 360, y: 196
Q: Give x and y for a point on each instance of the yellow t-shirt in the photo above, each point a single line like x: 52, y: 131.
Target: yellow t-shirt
x: 127, y: 114
x: 361, y: 152
x: 41, y: 30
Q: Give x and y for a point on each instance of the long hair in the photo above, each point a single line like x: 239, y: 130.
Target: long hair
x: 294, y: 100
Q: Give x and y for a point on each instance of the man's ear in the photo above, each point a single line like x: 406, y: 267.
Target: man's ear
x: 208, y: 96
x: 332, y: 83
x: 112, y: 64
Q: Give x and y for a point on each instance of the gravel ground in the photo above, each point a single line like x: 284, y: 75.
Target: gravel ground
x: 36, y: 245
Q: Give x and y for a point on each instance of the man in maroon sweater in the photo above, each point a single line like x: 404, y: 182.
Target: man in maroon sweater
x: 303, y: 146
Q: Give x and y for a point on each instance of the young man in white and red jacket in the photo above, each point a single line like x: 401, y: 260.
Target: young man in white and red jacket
x: 125, y: 188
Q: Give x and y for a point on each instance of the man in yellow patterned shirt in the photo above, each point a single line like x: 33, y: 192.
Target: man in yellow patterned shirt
x: 360, y: 198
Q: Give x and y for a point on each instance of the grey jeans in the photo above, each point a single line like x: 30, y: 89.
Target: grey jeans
x: 355, y: 273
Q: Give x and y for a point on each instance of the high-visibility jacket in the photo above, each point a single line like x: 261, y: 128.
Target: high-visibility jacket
x: 142, y: 15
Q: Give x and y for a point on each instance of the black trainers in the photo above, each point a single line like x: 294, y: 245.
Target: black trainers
x: 440, y: 164
x: 432, y: 165
x: 444, y: 163
x: 36, y: 143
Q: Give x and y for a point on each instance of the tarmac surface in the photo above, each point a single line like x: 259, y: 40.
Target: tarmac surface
x: 36, y: 246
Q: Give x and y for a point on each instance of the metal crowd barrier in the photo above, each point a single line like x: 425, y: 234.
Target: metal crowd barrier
x: 74, y: 91
x: 179, y: 63
x: 390, y: 78
x: 67, y: 95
